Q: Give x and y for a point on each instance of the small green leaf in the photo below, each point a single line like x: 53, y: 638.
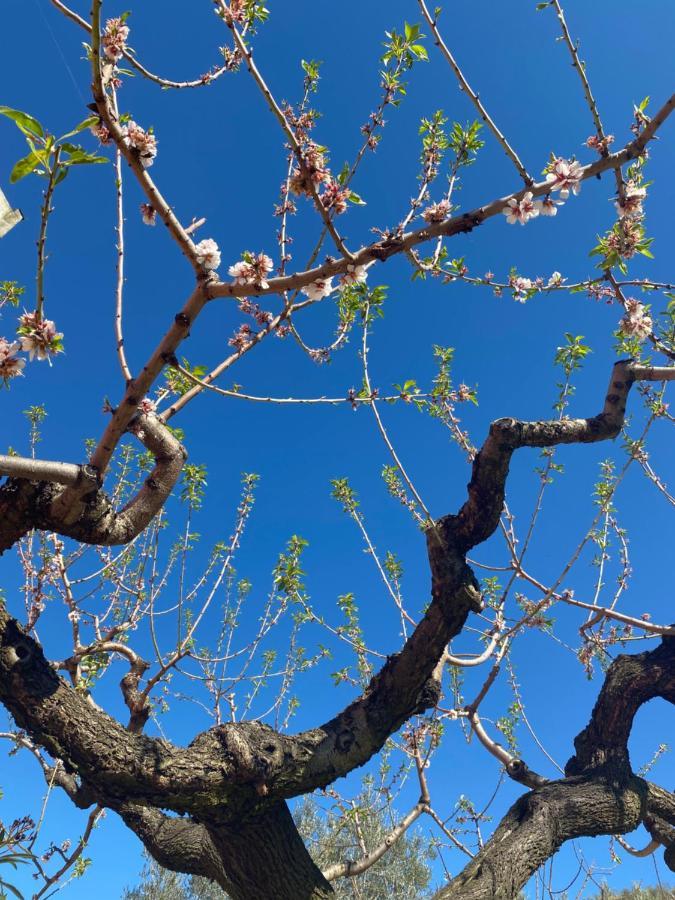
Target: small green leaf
x: 86, y: 123
x: 24, y: 167
x: 25, y: 123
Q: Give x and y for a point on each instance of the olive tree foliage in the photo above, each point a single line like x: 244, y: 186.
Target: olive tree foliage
x: 403, y: 871
x: 93, y: 533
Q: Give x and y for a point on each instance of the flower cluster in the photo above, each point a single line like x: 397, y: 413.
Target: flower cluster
x: 354, y: 275
x: 101, y: 133
x: 564, y: 175
x: 143, y: 142
x: 252, y: 270
x: 262, y: 316
x: 11, y: 365
x: 147, y: 406
x: 114, y: 39
x: 335, y: 197
x: 630, y: 205
x: 241, y: 338
x: 637, y: 322
x: 437, y: 212
x: 38, y: 336
x: 601, y: 145
x: 207, y: 254
x: 521, y: 210
x: 521, y: 286
x: 319, y: 289
x: 313, y: 171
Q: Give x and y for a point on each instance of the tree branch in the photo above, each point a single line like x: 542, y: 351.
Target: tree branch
x: 88, y: 514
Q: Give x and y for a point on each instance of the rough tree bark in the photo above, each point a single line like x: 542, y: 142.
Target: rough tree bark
x: 226, y: 791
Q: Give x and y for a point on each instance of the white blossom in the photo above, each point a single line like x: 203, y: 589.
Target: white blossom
x: 208, y: 254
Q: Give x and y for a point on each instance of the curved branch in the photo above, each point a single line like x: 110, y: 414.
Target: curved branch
x: 600, y: 794
x: 88, y: 514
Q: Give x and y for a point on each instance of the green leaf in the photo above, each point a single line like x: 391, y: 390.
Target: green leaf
x: 86, y: 123
x: 25, y: 123
x: 355, y: 198
x: 81, y: 157
x: 24, y: 167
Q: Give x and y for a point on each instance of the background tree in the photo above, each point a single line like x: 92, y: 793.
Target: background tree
x: 112, y: 543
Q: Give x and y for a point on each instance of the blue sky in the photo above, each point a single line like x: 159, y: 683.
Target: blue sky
x: 220, y: 156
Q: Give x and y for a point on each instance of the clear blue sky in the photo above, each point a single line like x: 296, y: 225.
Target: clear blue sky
x: 220, y: 156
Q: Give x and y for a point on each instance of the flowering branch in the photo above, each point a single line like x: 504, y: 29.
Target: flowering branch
x: 460, y: 224
x: 208, y: 78
x: 285, y: 125
x: 475, y: 99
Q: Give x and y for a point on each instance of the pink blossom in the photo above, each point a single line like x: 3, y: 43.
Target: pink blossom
x: 207, y: 254
x: 564, y: 175
x: 637, y: 322
x: 11, y: 365
x: 548, y: 206
x: 334, y: 197
x: 252, y: 270
x: 147, y: 405
x: 144, y: 142
x: 437, y: 212
x: 354, y: 275
x: 114, y: 39
x: 556, y: 279
x: 520, y: 287
x: 318, y: 289
x: 148, y: 214
x: 521, y: 210
x: 101, y: 133
x: 631, y: 203
x: 39, y: 337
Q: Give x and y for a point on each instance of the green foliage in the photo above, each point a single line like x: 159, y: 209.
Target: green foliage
x: 331, y: 837
x: 288, y: 574
x: 311, y: 69
x: 194, y: 484
x: 571, y: 354
x: 465, y: 142
x: 49, y: 156
x: 10, y: 292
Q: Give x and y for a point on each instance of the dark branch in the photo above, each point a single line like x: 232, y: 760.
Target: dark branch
x: 82, y: 510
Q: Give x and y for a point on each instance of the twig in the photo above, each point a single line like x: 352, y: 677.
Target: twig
x: 475, y: 99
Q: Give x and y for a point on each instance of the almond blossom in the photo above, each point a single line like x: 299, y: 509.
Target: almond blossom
x: 319, y: 289
x: 334, y: 197
x: 11, y: 365
x: 548, y: 206
x: 556, y: 279
x: 631, y: 203
x: 354, y: 275
x: 520, y: 287
x: 207, y: 254
x: 565, y: 175
x: 252, y: 269
x: 637, y: 322
x: 39, y: 337
x: 144, y: 142
x: 147, y: 405
x: 114, y: 39
x: 521, y: 210
x: 437, y: 212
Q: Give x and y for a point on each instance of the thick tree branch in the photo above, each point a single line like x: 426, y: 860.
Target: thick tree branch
x: 600, y: 794
x: 88, y: 514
